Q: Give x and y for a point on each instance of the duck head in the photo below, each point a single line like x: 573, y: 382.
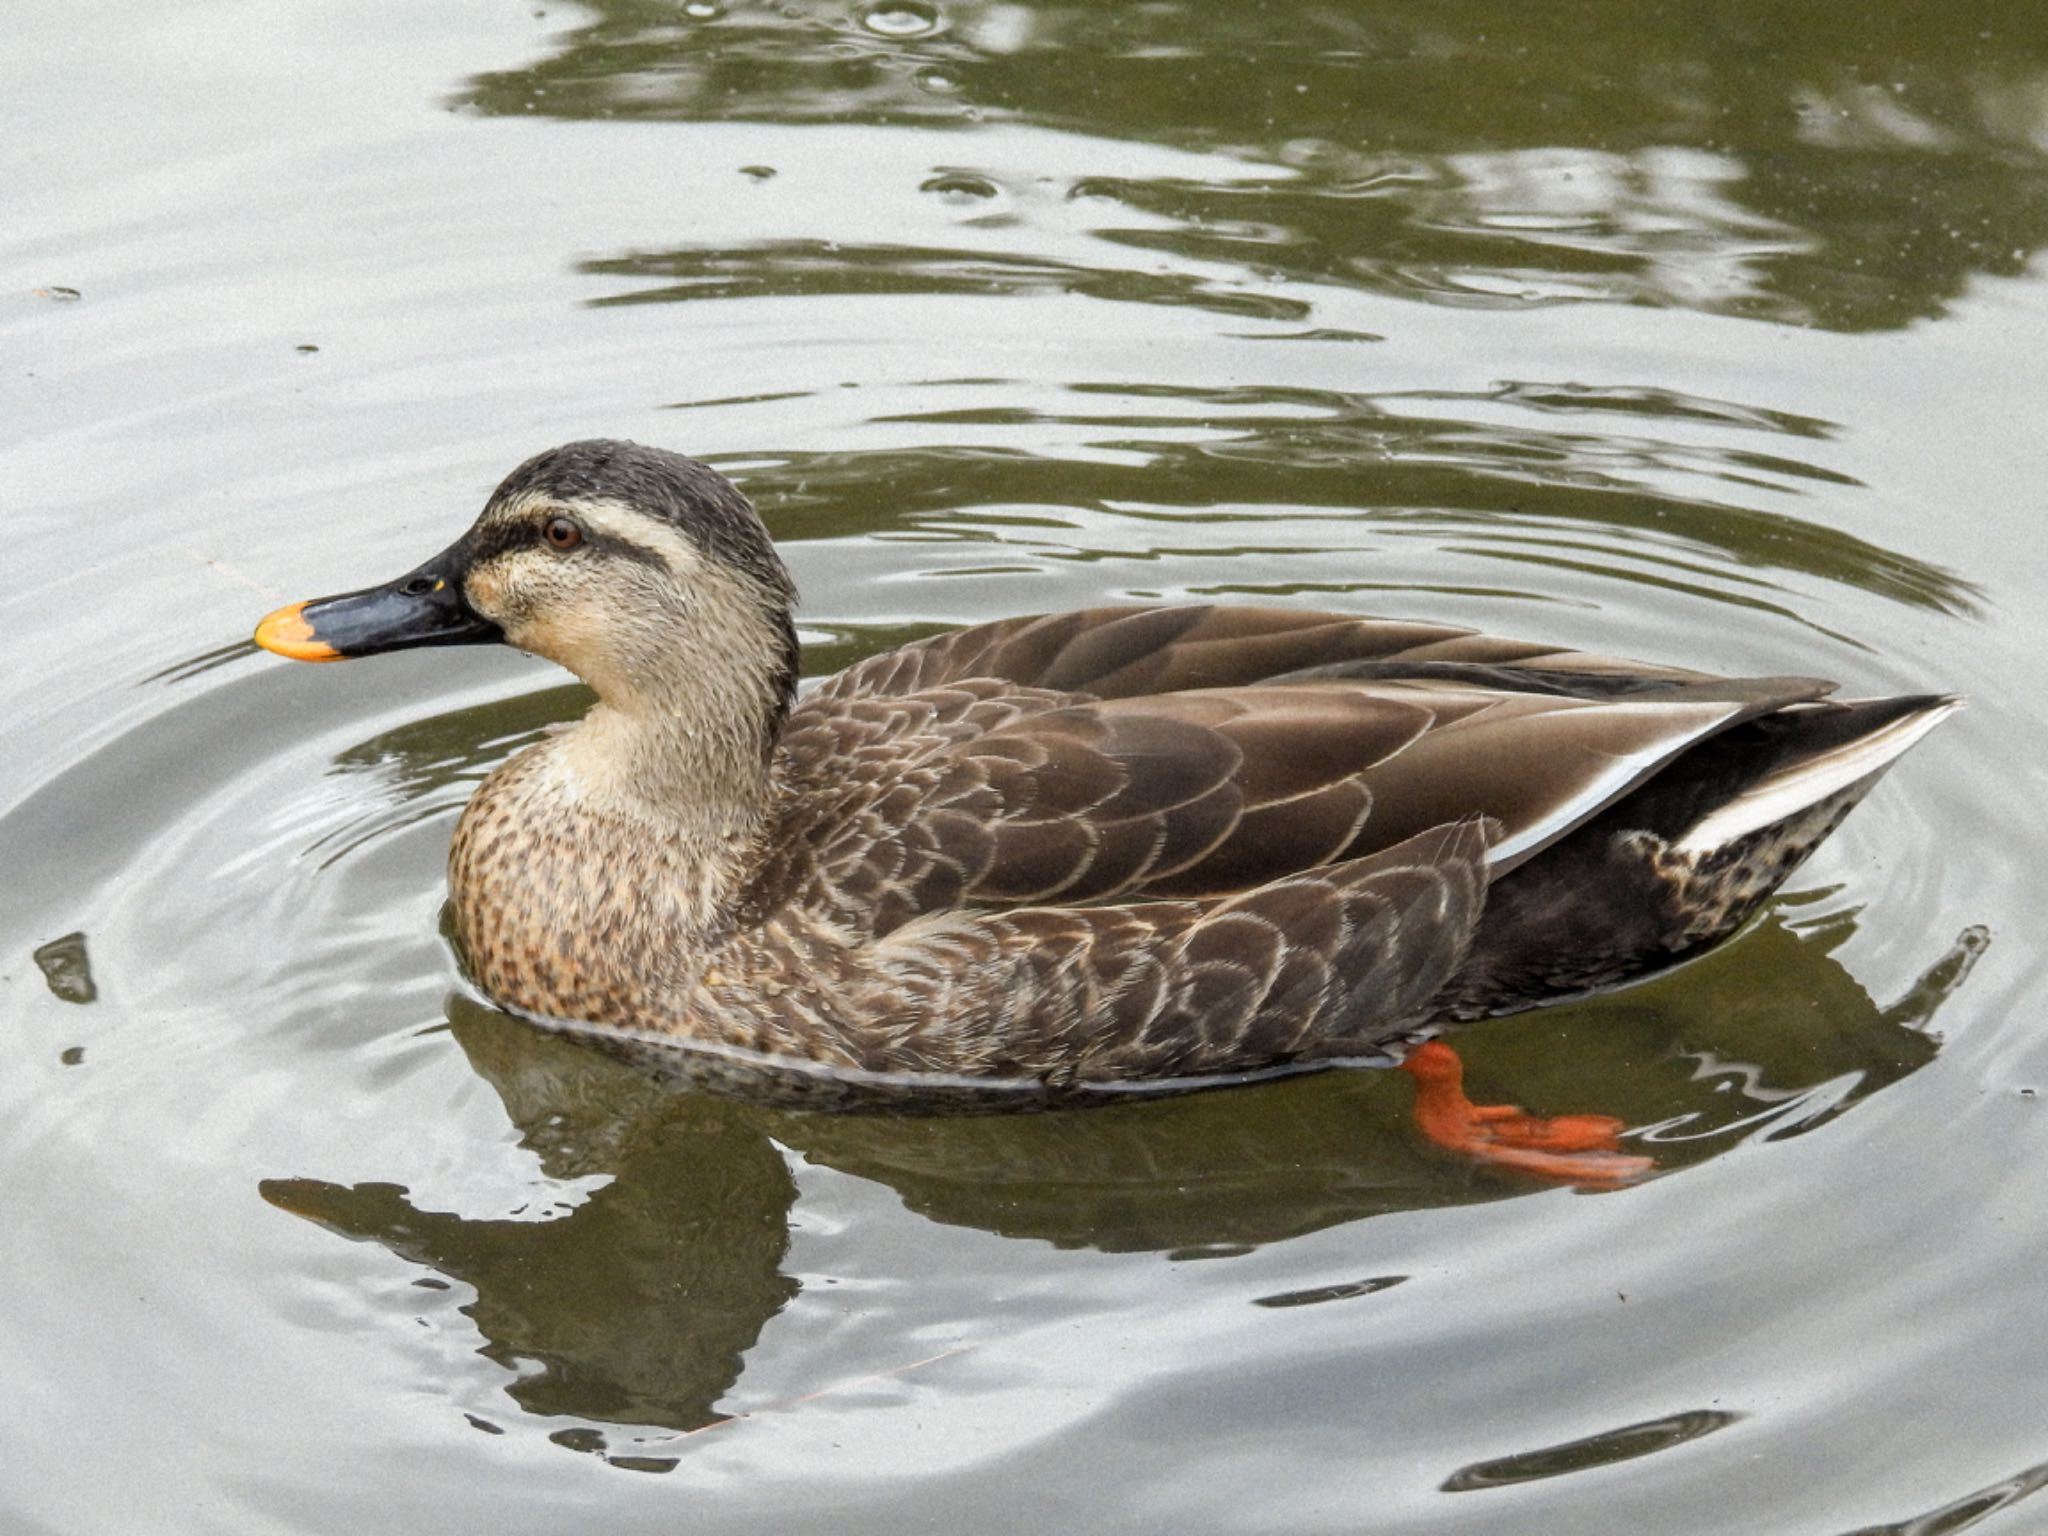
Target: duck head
x: 645, y: 573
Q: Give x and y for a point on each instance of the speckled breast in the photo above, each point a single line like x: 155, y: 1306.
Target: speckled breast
x: 563, y: 913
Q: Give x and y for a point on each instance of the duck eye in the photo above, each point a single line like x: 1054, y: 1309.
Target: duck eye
x: 561, y: 533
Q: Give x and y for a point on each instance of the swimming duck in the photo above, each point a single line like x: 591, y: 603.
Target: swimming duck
x: 1120, y: 846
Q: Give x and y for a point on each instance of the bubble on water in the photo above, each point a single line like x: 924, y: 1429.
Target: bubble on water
x: 937, y: 81
x: 901, y: 19
x: 703, y: 10
x: 960, y: 187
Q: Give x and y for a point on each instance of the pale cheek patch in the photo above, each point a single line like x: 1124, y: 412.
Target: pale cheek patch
x: 573, y: 633
x: 506, y: 592
x: 544, y: 612
x: 485, y: 590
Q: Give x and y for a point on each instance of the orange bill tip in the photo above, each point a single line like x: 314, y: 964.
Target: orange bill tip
x: 288, y: 634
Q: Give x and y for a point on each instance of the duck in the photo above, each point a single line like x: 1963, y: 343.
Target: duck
x: 1092, y: 852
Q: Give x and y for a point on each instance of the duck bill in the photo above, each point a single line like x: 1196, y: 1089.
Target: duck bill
x: 422, y: 607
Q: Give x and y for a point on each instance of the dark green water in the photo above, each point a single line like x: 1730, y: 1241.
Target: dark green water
x: 1711, y: 334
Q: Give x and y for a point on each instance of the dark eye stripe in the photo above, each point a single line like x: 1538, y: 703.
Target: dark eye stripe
x: 612, y: 544
x: 494, y: 539
x: 487, y: 541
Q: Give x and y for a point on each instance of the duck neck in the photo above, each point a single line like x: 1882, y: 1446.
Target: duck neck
x: 685, y: 759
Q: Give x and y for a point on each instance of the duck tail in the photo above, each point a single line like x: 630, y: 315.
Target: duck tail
x: 1680, y: 864
x: 1825, y: 753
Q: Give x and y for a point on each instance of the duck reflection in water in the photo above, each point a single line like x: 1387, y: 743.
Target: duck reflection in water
x: 640, y: 1304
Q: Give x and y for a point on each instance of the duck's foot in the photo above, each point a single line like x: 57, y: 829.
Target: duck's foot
x: 1572, y: 1149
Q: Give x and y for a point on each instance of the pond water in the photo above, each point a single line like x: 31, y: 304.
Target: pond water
x: 1709, y: 334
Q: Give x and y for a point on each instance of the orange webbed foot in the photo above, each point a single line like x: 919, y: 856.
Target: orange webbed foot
x: 1572, y: 1149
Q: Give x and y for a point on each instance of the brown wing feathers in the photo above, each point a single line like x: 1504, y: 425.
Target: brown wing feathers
x: 1317, y: 965
x: 1125, y: 652
x: 1206, y: 793
x: 1209, y: 792
x: 1285, y: 809
x: 1185, y: 794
